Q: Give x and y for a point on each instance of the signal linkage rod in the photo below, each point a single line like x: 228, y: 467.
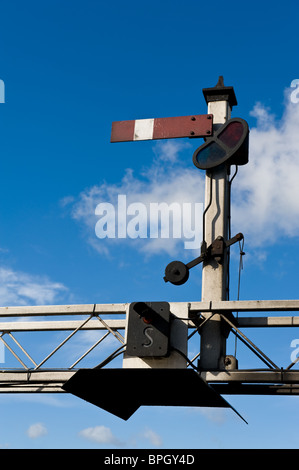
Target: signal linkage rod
x: 177, y: 272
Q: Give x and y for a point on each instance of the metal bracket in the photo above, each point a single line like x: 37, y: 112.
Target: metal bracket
x: 177, y: 272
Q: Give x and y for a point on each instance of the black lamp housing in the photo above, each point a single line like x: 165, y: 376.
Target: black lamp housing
x: 230, y: 143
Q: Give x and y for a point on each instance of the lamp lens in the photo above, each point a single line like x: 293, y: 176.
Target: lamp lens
x: 232, y: 134
x: 210, y: 154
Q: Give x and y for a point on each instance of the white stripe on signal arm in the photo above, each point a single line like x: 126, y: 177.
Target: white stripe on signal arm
x: 144, y: 129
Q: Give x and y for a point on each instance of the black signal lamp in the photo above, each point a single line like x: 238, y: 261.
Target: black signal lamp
x: 228, y: 144
x: 145, y: 312
x: 148, y: 332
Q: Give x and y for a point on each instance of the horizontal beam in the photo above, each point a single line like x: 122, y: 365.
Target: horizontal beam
x: 252, y: 376
x: 121, y: 308
x: 256, y: 389
x: 24, y: 388
x: 260, y: 322
x: 217, y: 376
x: 254, y: 381
x: 62, y: 325
x: 222, y: 389
x: 255, y: 305
x: 120, y: 324
x: 45, y: 310
x: 35, y: 376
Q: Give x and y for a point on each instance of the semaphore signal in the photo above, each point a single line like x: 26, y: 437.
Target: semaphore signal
x: 154, y: 346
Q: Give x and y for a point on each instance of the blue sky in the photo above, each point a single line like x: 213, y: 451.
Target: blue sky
x: 70, y: 69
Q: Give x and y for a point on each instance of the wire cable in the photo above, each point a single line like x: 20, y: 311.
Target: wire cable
x: 241, y: 265
x: 229, y: 232
x: 186, y: 358
x: 204, y: 243
x: 110, y: 358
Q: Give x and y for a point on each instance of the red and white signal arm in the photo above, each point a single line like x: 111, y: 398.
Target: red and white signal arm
x: 162, y: 128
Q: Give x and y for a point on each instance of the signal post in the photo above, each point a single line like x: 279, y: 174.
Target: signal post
x: 220, y: 100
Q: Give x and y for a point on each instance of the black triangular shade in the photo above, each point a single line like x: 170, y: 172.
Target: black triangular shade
x: 122, y: 391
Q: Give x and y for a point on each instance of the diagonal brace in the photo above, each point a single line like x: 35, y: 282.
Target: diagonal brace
x: 250, y: 344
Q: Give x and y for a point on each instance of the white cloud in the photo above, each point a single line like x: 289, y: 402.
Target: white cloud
x: 266, y: 191
x: 19, y: 288
x: 153, y: 437
x: 36, y: 430
x: 157, y: 184
x: 169, y: 151
x: 215, y: 415
x: 104, y: 435
x: 100, y: 435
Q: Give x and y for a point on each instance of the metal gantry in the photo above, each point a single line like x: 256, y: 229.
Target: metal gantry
x: 109, y: 320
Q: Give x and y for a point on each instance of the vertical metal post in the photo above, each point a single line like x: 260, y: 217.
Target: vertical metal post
x: 220, y: 100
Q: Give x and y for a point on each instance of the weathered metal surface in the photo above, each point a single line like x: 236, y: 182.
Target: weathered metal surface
x: 162, y: 128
